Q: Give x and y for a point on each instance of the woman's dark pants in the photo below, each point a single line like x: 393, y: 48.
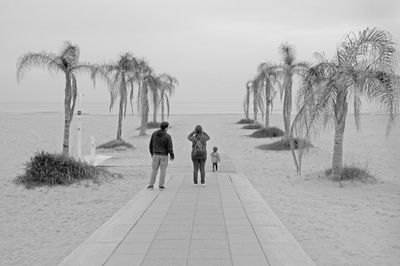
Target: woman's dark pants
x: 199, y: 164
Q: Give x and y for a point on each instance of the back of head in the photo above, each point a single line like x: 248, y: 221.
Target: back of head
x: 198, y: 129
x: 164, y: 125
x: 215, y: 149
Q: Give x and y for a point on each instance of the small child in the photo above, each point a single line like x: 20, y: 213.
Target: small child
x: 215, y: 159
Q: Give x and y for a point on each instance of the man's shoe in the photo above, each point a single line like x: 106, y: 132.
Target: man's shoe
x: 150, y: 187
x: 203, y: 184
x: 161, y: 187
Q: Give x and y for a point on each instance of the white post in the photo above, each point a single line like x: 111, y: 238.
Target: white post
x: 92, y: 146
x: 79, y: 122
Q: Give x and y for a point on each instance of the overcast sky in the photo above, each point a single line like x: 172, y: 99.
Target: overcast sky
x: 212, y: 46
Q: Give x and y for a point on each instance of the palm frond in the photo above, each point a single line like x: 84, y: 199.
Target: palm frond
x: 45, y: 60
x: 300, y: 68
x: 69, y: 54
x: 372, y: 46
x: 287, y: 53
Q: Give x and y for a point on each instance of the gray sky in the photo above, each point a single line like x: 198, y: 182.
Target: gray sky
x: 212, y: 46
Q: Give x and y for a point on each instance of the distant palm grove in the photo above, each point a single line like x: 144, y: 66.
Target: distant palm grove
x: 121, y: 77
x: 362, y: 68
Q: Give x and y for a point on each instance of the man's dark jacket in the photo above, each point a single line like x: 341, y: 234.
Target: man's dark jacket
x: 161, y: 144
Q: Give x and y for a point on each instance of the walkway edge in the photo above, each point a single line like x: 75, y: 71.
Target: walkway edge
x: 100, y: 245
x: 279, y: 245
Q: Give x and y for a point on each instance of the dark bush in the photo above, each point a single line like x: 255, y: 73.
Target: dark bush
x: 284, y: 145
x: 252, y: 126
x: 245, y: 121
x: 55, y: 169
x: 270, y: 132
x: 152, y: 125
x: 114, y: 144
x: 354, y: 173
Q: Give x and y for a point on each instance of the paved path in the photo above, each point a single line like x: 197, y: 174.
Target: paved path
x: 224, y: 223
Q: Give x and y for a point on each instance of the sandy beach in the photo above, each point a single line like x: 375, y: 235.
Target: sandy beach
x: 358, y: 224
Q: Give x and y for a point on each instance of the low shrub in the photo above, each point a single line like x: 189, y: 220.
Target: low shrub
x: 252, y: 126
x: 115, y: 144
x: 270, y: 132
x: 152, y: 125
x: 354, y: 173
x: 56, y: 169
x: 285, y: 145
x: 245, y: 121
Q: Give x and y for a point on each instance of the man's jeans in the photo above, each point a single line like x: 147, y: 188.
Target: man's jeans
x: 159, y: 161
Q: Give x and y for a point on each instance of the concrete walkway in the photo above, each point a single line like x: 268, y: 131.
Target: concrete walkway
x: 224, y: 223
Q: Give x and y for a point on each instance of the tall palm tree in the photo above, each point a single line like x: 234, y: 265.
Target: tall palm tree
x: 146, y: 81
x: 66, y: 62
x: 246, y: 102
x: 362, y: 67
x: 167, y: 87
x: 121, y: 74
x: 268, y: 77
x: 288, y: 68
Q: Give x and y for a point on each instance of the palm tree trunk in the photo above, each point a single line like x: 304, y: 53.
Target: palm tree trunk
x: 247, y: 103
x: 67, y: 120
x: 162, y: 107
x: 255, y: 106
x: 267, y: 104
x: 340, y: 122
x: 287, y: 107
x: 144, y: 111
x: 121, y: 107
x: 120, y: 113
x: 155, y: 107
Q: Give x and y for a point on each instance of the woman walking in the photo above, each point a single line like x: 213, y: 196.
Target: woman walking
x: 199, y: 140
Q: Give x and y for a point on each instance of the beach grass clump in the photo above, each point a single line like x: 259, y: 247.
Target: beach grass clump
x: 152, y: 125
x: 252, y: 126
x: 115, y: 144
x: 245, y: 121
x: 354, y: 173
x: 49, y: 169
x: 267, y: 132
x: 284, y: 144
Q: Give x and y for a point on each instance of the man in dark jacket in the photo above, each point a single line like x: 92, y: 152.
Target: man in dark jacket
x: 160, y: 146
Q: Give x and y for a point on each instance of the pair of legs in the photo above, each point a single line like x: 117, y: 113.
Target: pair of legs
x: 159, y: 161
x: 215, y: 167
x: 199, y: 164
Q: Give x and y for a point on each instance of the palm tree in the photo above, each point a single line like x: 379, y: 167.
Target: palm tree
x: 362, y: 67
x: 167, y: 86
x: 267, y: 76
x: 121, y: 75
x: 246, y: 102
x: 66, y: 62
x: 146, y: 81
x: 286, y: 71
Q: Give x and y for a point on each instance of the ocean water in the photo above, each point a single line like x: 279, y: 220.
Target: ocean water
x: 177, y: 108
x: 98, y: 108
